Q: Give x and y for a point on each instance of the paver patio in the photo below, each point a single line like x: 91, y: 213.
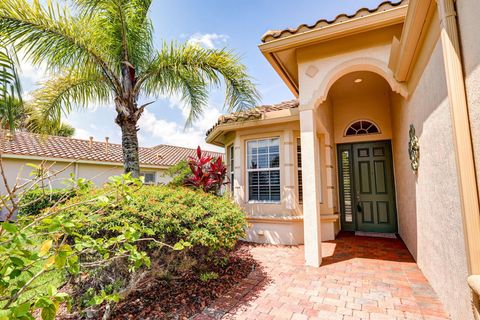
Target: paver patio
x: 360, y: 278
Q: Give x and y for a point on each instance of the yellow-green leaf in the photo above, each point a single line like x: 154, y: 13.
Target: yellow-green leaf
x: 45, y: 247
x: 49, y: 262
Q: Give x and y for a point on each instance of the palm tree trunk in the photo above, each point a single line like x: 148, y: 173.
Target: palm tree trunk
x: 127, y: 118
x: 131, y: 161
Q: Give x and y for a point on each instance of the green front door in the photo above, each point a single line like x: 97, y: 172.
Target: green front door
x: 367, y: 187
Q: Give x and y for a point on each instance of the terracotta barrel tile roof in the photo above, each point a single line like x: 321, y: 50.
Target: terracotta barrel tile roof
x: 277, y: 34
x: 29, y: 144
x: 254, y: 113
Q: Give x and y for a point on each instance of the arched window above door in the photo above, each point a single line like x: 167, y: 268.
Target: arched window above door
x: 361, y: 127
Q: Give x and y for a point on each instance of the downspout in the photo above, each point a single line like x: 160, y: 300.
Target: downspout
x: 462, y: 139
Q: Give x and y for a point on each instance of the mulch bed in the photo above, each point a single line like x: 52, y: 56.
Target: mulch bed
x: 186, y: 295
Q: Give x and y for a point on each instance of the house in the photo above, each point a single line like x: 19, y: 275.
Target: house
x: 383, y: 137
x: 93, y: 160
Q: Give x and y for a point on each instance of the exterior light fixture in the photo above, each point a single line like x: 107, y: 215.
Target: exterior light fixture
x: 358, y: 80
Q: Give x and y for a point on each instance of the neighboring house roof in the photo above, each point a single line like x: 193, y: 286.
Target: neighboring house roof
x: 54, y: 147
x: 277, y: 34
x: 254, y: 113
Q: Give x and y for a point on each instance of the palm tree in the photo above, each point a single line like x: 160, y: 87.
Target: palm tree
x: 14, y: 113
x: 11, y: 103
x: 104, y: 53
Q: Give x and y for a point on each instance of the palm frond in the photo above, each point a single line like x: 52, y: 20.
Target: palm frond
x: 60, y: 95
x: 125, y: 23
x: 11, y: 102
x: 175, y: 64
x: 50, y: 34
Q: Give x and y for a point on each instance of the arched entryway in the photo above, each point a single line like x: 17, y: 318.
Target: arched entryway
x: 361, y: 107
x: 351, y: 142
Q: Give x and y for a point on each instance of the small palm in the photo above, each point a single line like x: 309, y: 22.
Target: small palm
x: 104, y: 53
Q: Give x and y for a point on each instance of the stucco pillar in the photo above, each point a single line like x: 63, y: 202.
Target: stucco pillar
x: 311, y: 187
x: 462, y: 137
x: 289, y: 170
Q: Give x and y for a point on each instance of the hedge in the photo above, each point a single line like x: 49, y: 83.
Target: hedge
x: 169, y: 215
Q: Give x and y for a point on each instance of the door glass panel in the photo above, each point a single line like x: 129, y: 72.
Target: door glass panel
x: 347, y: 186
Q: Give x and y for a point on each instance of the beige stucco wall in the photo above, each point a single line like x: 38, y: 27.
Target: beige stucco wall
x: 18, y: 170
x: 468, y: 13
x: 321, y: 65
x: 429, y: 208
x: 371, y: 106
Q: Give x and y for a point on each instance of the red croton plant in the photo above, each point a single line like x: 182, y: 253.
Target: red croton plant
x: 208, y: 173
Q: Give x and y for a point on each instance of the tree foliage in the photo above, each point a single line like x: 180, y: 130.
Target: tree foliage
x: 10, y: 88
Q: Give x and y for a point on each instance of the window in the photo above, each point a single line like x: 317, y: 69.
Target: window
x: 263, y: 169
x: 231, y: 151
x: 362, y: 127
x: 299, y: 171
x: 149, y: 177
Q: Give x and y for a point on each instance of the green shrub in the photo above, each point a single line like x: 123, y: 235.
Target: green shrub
x: 40, y: 250
x: 175, y: 216
x: 36, y: 200
x: 179, y: 173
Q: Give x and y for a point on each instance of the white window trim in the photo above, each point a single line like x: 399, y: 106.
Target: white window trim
x: 263, y: 169
x: 231, y: 164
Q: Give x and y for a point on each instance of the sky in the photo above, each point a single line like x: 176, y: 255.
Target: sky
x: 237, y: 25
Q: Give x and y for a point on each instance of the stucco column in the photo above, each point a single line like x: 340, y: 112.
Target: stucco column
x: 311, y: 187
x: 462, y: 137
x: 461, y: 132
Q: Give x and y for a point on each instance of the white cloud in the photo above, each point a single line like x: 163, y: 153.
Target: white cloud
x: 209, y: 40
x: 33, y: 73
x: 169, y: 132
x: 81, y: 133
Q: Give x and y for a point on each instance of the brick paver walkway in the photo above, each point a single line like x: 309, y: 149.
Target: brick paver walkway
x: 360, y: 278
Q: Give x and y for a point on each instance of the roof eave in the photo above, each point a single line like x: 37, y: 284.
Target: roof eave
x: 279, y: 67
x: 349, y: 27
x: 275, y: 117
x: 406, y: 49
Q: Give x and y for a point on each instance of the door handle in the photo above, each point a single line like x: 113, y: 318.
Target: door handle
x: 359, y: 207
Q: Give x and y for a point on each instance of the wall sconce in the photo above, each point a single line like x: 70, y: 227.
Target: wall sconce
x: 413, y: 150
